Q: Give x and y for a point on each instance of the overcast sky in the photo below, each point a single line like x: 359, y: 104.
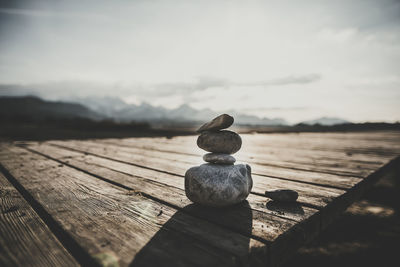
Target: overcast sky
x: 292, y: 59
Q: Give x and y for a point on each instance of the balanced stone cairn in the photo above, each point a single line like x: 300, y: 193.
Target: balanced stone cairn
x: 219, y: 182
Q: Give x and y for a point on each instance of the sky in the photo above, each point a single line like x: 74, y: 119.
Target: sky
x: 296, y: 60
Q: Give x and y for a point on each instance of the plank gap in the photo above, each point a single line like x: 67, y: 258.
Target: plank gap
x: 65, y: 239
x: 153, y: 169
x: 152, y: 197
x: 252, y: 162
x: 121, y: 161
x: 304, y: 182
x: 175, y: 174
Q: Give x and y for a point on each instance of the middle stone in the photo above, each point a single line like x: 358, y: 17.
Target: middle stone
x: 226, y: 142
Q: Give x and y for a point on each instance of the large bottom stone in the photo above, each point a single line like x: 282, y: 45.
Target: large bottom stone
x: 218, y: 185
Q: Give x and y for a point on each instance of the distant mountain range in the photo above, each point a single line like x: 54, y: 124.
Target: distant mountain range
x: 326, y: 121
x: 30, y: 107
x: 119, y: 110
x: 100, y: 108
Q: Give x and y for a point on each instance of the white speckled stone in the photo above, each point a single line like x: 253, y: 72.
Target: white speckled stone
x: 218, y: 158
x: 218, y: 185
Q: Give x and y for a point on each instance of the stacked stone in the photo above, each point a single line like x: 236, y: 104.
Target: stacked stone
x: 219, y: 182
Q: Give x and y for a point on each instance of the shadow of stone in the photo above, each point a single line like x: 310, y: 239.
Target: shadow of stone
x: 285, y: 207
x: 186, y: 240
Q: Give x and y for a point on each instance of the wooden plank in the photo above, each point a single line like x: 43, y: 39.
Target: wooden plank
x: 342, y: 164
x: 115, y: 224
x: 340, y: 202
x: 338, y: 163
x: 293, y: 142
x: 310, y: 177
x: 315, y: 196
x: 265, y: 226
x: 309, y: 142
x: 24, y: 238
x: 361, y: 161
x: 302, y: 191
x: 342, y: 137
x: 154, y: 176
x: 299, y: 162
x: 153, y: 159
x: 118, y: 172
x: 361, y: 170
x: 323, y: 140
x: 344, y: 201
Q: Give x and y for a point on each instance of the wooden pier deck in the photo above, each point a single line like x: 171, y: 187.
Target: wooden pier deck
x: 120, y: 202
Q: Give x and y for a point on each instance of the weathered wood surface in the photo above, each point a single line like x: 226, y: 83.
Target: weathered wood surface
x: 122, y: 201
x: 25, y: 240
x: 113, y: 224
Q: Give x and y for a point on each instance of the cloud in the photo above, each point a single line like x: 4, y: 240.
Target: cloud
x: 302, y: 79
x: 328, y: 54
x: 65, y: 89
x: 199, y: 84
x: 267, y: 109
x: 204, y: 82
x: 185, y: 92
x: 62, y: 89
x: 51, y: 14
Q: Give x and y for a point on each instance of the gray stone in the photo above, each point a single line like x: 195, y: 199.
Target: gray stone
x: 284, y: 195
x: 225, y: 142
x: 221, y: 122
x: 218, y: 158
x: 218, y: 185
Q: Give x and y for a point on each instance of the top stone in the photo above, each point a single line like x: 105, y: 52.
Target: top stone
x: 221, y: 122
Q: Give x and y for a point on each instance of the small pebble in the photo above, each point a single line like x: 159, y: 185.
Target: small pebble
x: 218, y: 158
x: 284, y: 195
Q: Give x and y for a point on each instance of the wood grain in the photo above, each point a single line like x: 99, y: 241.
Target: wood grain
x: 264, y: 153
x: 24, y: 238
x: 169, y: 164
x: 129, y: 196
x: 111, y: 222
x: 269, y: 220
x: 265, y: 227
x: 313, y: 195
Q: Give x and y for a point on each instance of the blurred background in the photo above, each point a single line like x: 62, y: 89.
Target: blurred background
x: 97, y: 68
x: 121, y: 68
